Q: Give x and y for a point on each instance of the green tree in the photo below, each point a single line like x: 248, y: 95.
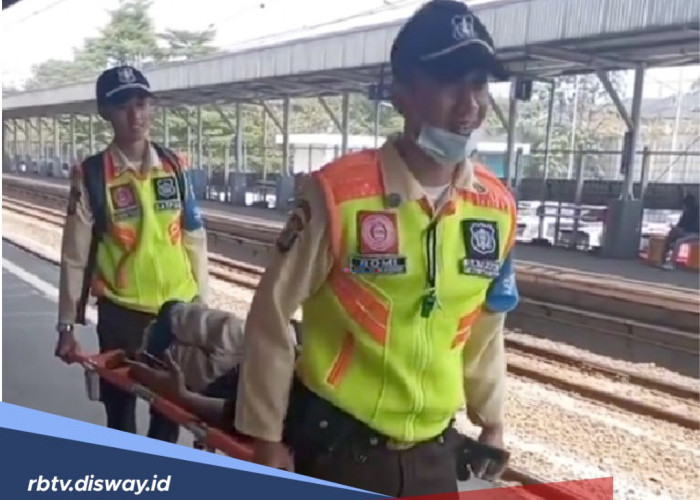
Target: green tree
x: 183, y: 44
x: 51, y: 73
x: 596, y: 121
x: 130, y: 36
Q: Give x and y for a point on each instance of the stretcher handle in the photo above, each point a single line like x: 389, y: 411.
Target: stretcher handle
x: 109, y: 366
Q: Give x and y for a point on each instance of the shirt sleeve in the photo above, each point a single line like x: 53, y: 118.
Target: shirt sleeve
x: 75, y: 248
x: 194, y: 237
x: 484, y: 354
x: 298, y: 267
x: 485, y: 370
x: 197, y: 325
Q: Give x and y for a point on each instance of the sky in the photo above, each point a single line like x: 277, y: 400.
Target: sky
x: 35, y: 30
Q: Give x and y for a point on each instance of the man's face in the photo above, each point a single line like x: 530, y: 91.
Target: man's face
x: 459, y: 107
x: 130, y: 118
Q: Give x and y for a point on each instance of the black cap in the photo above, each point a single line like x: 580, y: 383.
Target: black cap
x: 119, y: 84
x: 447, y: 41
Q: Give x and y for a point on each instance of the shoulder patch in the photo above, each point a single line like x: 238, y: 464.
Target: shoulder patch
x: 73, y: 200
x: 290, y: 233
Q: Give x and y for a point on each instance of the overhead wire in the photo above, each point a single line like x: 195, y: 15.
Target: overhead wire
x: 33, y: 14
x: 386, y: 7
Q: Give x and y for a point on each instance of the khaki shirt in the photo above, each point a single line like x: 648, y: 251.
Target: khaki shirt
x: 291, y: 277
x: 77, y: 233
x: 207, y: 343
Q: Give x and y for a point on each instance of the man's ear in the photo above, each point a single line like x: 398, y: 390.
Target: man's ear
x: 397, y: 97
x: 102, y: 112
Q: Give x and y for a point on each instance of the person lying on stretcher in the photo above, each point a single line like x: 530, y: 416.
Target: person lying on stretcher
x: 191, y: 354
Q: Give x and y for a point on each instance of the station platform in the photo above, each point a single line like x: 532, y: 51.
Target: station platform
x: 32, y: 376
x: 576, y: 261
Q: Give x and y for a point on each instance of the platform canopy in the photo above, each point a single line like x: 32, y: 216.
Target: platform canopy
x: 538, y: 38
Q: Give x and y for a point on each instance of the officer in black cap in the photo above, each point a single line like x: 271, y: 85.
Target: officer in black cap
x: 134, y: 195
x: 441, y: 63
x: 373, y: 417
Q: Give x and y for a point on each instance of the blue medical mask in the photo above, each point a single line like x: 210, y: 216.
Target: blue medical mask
x: 443, y: 146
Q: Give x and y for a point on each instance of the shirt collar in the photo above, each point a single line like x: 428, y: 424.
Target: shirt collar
x: 401, y: 184
x: 122, y: 163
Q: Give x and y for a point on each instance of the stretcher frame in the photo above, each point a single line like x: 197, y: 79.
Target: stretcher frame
x: 110, y: 367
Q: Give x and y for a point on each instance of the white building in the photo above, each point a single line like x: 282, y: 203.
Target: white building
x: 309, y: 152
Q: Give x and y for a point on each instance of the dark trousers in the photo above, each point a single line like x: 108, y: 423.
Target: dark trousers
x: 328, y: 444
x: 121, y: 328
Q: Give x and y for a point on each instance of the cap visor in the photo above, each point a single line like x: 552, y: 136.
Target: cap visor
x: 123, y: 94
x: 470, y: 61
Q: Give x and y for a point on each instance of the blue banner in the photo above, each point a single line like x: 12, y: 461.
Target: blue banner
x: 47, y: 455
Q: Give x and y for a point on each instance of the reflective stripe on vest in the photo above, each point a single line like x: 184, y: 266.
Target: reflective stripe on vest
x: 141, y: 262
x: 367, y: 347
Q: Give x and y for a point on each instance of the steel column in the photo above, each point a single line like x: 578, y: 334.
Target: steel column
x: 73, y: 153
x: 510, y: 151
x: 199, y: 138
x: 629, y: 153
x: 239, y: 138
x: 285, y: 136
x: 57, y: 146
x: 345, y: 120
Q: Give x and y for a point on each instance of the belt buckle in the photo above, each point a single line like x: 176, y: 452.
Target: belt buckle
x: 394, y: 445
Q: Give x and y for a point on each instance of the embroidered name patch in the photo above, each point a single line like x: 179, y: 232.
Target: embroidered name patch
x: 481, y: 245
x: 378, y: 264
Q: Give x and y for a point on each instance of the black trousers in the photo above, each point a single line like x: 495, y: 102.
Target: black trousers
x: 331, y: 445
x: 121, y: 328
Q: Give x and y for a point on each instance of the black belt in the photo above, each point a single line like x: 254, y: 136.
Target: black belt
x: 313, y: 421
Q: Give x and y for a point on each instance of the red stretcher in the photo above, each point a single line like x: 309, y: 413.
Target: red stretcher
x: 111, y: 368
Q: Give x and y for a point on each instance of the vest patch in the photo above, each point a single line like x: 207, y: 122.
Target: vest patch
x: 167, y: 198
x: 379, y: 245
x: 124, y: 201
x: 377, y: 264
x: 379, y: 233
x: 481, y: 245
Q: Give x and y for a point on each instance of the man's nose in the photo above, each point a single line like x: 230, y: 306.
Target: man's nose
x: 134, y: 114
x: 469, y: 104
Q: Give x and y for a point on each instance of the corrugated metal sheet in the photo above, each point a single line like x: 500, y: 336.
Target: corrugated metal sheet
x: 514, y: 25
x: 546, y: 21
x: 584, y: 17
x: 510, y: 24
x: 665, y: 12
x: 626, y: 15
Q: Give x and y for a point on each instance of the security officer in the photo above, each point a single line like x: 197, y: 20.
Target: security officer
x: 400, y: 258
x: 133, y: 237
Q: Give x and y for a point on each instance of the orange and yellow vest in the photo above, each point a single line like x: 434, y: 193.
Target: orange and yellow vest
x: 140, y: 261
x: 387, y: 347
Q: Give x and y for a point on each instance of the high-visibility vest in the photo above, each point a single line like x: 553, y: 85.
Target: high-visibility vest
x: 140, y: 260
x: 373, y: 345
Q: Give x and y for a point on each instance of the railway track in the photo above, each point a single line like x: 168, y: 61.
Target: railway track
x: 247, y: 276
x: 629, y: 320
x: 263, y: 233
